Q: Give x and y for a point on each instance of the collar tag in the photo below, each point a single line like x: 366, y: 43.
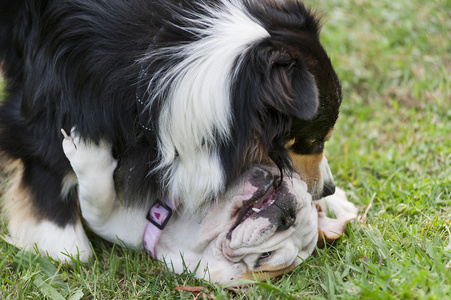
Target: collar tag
x: 158, y: 216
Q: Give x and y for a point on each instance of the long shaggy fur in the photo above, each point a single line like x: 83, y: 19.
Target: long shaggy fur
x: 190, y: 93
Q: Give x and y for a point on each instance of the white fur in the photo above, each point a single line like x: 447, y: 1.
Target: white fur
x: 64, y: 242
x: 197, y: 106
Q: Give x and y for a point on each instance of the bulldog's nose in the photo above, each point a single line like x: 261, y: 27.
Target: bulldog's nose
x: 328, y: 189
x: 287, y: 216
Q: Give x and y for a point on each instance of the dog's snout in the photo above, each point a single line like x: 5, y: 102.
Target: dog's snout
x: 287, y: 220
x: 287, y: 217
x: 329, y: 189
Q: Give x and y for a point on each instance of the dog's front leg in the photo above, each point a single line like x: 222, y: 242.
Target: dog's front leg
x: 94, y: 166
x: 100, y: 207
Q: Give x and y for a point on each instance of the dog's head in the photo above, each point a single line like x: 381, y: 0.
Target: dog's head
x: 259, y: 227
x: 286, y: 96
x: 229, y: 85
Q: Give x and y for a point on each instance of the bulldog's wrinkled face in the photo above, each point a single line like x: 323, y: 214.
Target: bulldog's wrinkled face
x: 274, y: 226
x: 262, y: 225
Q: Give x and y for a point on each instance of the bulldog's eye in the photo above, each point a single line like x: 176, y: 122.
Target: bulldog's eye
x: 261, y: 259
x: 265, y: 255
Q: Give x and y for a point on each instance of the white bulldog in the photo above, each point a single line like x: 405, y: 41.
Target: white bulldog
x: 256, y: 226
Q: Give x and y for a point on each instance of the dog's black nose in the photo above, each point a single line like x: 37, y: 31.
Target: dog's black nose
x: 287, y: 218
x: 329, y: 189
x: 284, y: 209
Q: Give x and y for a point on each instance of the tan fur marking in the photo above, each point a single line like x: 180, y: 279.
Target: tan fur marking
x: 268, y: 272
x: 257, y: 153
x: 308, y: 168
x: 8, y: 165
x: 69, y: 181
x: 290, y: 143
x: 17, y: 202
x: 329, y: 134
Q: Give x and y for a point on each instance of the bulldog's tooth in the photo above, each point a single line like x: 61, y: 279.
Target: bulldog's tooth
x: 256, y: 209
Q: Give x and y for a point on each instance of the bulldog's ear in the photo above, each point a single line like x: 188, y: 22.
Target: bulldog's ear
x: 331, y: 229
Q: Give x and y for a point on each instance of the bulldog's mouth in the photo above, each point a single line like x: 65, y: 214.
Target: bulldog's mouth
x: 270, y: 200
x: 258, y: 205
x: 264, y: 201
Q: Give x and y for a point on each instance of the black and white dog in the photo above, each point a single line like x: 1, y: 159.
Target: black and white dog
x: 189, y: 93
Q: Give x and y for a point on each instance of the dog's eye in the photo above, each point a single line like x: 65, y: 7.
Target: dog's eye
x: 262, y: 259
x: 265, y: 255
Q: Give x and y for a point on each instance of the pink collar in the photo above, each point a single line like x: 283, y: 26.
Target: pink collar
x: 158, y: 216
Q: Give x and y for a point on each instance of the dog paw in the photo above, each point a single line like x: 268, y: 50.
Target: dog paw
x: 338, y: 204
x: 86, y: 155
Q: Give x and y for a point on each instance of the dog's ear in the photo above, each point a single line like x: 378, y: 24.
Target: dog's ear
x: 272, y: 78
x: 331, y: 229
x: 290, y: 86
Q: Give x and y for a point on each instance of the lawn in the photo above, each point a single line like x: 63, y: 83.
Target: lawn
x: 391, y: 152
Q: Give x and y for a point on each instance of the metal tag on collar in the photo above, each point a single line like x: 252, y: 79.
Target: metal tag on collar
x: 157, y: 206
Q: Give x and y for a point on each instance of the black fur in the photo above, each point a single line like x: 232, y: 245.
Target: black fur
x: 74, y: 62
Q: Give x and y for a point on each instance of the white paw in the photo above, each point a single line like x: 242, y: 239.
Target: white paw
x: 85, y: 155
x: 338, y: 204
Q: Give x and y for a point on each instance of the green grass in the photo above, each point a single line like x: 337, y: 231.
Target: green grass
x: 391, y: 148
